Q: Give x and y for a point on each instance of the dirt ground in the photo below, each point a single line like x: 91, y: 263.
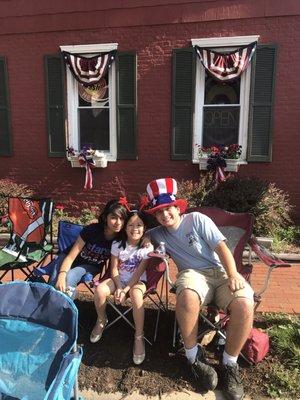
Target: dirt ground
x: 107, y: 366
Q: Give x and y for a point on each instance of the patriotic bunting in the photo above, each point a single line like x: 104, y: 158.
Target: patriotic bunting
x: 89, y: 70
x: 226, y: 67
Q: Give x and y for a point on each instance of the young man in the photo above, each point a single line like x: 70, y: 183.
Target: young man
x: 207, y: 272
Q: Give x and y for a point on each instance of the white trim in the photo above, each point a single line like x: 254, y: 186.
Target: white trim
x: 225, y: 41
x: 244, y: 92
x: 72, y: 99
x: 89, y: 48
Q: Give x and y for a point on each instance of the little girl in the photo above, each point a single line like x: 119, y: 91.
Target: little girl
x: 128, y: 265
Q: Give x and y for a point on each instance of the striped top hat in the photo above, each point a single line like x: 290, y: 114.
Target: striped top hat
x: 162, y: 193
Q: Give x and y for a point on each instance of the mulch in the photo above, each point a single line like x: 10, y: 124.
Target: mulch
x: 107, y: 366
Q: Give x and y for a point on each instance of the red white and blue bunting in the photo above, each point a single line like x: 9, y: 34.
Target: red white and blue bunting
x: 89, y: 70
x: 226, y: 67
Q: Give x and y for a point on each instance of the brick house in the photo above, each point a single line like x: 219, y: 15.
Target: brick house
x: 159, y: 101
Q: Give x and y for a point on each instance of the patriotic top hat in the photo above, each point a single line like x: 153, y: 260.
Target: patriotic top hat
x: 162, y: 193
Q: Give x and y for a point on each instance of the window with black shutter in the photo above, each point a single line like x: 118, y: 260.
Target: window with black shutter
x: 206, y: 112
x: 101, y: 116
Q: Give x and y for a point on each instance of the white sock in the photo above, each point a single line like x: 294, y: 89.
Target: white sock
x: 191, y: 353
x: 228, y: 359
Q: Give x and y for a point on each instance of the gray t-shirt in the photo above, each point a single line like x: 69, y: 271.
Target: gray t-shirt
x: 192, y: 244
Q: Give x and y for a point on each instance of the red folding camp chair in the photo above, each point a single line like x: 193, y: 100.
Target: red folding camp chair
x: 31, y: 222
x: 238, y: 230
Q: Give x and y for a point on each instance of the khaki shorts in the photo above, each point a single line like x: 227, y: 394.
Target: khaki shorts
x: 211, y: 284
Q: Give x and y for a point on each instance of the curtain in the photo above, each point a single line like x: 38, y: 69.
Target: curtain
x: 226, y: 67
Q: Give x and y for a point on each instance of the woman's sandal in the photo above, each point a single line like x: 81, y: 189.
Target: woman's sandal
x: 138, y: 358
x: 100, y: 323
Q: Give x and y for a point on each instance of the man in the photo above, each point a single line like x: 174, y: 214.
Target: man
x: 207, y: 272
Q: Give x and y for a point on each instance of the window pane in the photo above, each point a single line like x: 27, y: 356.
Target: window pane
x: 95, y: 95
x: 94, y: 128
x: 221, y: 93
x: 221, y: 125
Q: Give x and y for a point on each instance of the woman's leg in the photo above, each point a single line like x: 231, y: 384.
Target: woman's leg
x: 105, y: 289
x: 136, y: 296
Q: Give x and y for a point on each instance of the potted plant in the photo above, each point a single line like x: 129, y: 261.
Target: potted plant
x: 226, y: 157
x: 86, y: 156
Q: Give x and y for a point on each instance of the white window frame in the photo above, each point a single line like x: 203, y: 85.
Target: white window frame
x: 72, y: 98
x: 221, y: 42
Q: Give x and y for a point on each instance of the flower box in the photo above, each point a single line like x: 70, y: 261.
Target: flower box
x: 231, y: 164
x: 100, y: 161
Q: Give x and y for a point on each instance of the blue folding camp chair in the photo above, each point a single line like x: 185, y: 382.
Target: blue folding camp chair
x: 39, y: 357
x: 68, y: 232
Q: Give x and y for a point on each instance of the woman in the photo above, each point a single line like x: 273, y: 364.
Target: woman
x: 91, y: 250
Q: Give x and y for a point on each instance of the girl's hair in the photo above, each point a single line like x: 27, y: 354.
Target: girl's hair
x: 142, y: 216
x: 112, y: 207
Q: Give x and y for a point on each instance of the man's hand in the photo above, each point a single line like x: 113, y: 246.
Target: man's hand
x: 146, y: 242
x: 236, y: 282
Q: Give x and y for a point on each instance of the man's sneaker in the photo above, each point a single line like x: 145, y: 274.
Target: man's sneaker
x: 204, y: 374
x: 231, y: 382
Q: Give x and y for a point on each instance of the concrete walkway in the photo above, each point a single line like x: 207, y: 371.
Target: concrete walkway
x: 186, y: 395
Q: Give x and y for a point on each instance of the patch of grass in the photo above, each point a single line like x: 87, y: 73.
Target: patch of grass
x: 283, y: 377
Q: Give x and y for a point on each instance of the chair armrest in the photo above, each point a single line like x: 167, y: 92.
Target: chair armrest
x: 265, y: 255
x: 165, y: 260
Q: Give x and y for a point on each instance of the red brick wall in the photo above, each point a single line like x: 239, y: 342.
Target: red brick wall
x: 27, y: 35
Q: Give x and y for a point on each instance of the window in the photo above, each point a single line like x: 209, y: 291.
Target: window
x: 91, y: 111
x: 221, y: 109
x: 203, y: 111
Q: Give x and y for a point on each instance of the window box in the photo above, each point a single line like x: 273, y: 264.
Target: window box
x: 100, y: 161
x: 232, y: 165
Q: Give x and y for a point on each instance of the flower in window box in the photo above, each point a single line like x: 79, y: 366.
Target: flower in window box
x: 88, y: 158
x: 219, y: 159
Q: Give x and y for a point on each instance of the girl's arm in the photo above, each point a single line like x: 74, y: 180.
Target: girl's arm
x: 67, y: 263
x: 114, y: 262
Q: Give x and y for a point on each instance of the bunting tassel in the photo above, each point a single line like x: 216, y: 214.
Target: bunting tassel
x: 88, y: 185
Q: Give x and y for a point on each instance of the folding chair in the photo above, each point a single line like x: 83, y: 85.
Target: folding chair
x: 238, y: 230
x: 39, y: 357
x: 31, y: 221
x: 68, y: 233
x: 155, y: 272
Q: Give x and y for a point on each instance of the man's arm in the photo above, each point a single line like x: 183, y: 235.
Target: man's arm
x: 235, y: 280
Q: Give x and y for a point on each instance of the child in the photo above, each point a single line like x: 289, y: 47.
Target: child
x: 91, y: 250
x: 128, y: 265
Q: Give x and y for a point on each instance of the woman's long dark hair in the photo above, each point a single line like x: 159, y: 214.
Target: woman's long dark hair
x: 142, y: 216
x: 112, y: 207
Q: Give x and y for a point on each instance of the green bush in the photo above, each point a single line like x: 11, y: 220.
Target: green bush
x: 195, y: 192
x: 269, y: 205
x: 9, y: 188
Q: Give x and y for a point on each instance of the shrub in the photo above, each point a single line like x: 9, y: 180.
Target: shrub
x: 195, y: 192
x: 269, y: 205
x: 9, y: 188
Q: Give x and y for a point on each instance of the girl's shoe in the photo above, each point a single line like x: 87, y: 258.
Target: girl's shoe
x: 139, y: 358
x: 99, y: 327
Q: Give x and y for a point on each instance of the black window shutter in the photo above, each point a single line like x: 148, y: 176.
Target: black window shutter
x: 261, y: 104
x: 126, y: 106
x: 183, y: 103
x: 5, y: 127
x: 55, y: 105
